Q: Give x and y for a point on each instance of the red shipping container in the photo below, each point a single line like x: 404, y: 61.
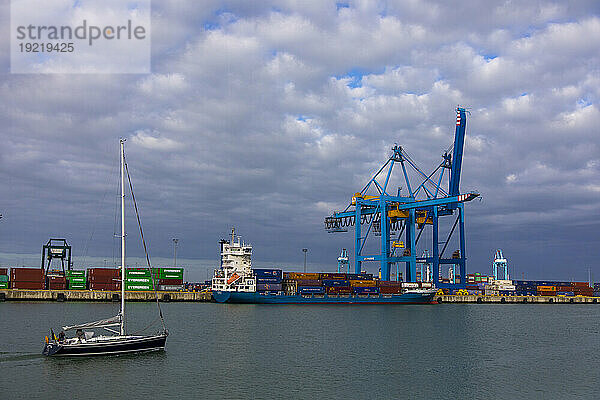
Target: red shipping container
x: 104, y: 286
x: 3, y: 271
x: 104, y: 279
x: 580, y: 284
x: 57, y: 285
x: 104, y: 272
x: 389, y: 283
x: 389, y: 289
x: 26, y: 274
x: 28, y: 285
x: 309, y: 282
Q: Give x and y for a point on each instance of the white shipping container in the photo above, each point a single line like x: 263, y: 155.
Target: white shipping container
x: 410, y: 285
x: 170, y: 288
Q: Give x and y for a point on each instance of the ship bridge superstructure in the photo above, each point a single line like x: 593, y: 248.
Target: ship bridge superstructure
x: 235, y: 273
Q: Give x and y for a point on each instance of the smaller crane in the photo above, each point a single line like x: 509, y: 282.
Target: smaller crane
x: 343, y: 260
x: 56, y: 249
x: 500, y: 263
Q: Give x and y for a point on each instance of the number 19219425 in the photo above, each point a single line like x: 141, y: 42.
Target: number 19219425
x: 46, y: 47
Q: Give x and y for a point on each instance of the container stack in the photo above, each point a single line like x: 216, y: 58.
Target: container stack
x: 4, y: 281
x: 27, y: 278
x: 364, y: 287
x: 336, y: 284
x: 56, y: 280
x: 76, y: 279
x: 596, y: 289
x: 168, y: 279
x: 525, y: 288
x: 302, y: 283
x: 104, y: 278
x: 389, y: 287
x: 582, y: 289
x: 269, y: 280
x: 138, y: 279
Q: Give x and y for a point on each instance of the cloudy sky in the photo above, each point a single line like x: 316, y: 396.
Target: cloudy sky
x: 270, y: 115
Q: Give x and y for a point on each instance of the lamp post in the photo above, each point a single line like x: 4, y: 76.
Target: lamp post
x: 175, y: 241
x: 305, y: 251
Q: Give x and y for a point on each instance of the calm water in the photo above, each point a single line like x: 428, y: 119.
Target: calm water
x: 313, y: 352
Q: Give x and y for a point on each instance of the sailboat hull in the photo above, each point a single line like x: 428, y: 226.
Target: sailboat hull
x: 118, y: 345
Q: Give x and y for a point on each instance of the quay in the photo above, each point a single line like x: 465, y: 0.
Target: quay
x: 99, y: 295
x: 480, y: 299
x: 108, y: 296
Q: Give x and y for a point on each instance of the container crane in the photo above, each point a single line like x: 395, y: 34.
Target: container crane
x: 56, y: 249
x: 390, y: 215
x: 500, y: 263
x: 343, y: 261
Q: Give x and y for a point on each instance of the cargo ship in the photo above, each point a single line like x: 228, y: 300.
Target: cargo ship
x: 237, y: 282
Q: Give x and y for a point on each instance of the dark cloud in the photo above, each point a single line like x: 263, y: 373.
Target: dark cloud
x: 268, y: 117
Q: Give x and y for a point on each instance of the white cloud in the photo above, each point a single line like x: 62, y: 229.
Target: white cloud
x: 270, y: 119
x: 157, y: 143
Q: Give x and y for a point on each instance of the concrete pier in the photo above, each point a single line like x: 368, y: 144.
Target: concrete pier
x: 480, y: 299
x: 91, y: 295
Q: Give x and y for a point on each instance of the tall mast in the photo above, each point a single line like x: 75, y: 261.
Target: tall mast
x: 122, y: 141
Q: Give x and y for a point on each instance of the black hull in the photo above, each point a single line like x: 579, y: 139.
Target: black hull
x: 108, y: 347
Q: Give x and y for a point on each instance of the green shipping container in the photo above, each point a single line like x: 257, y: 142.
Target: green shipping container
x: 76, y: 279
x: 138, y: 287
x: 76, y: 286
x: 75, y: 273
x: 137, y: 281
x: 160, y: 271
x: 3, y: 278
x: 3, y: 285
x: 141, y: 273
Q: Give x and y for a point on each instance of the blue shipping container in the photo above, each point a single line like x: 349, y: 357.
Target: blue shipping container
x: 311, y: 289
x: 268, y: 279
x: 525, y: 293
x: 264, y: 287
x: 568, y: 294
x: 335, y: 282
x: 265, y: 273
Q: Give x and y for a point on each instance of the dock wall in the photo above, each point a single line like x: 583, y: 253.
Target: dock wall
x: 107, y: 296
x: 96, y: 295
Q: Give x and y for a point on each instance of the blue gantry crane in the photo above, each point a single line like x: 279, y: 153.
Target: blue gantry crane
x: 376, y: 211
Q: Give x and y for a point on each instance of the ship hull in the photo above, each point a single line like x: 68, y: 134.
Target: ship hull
x: 262, y: 298
x: 107, y: 347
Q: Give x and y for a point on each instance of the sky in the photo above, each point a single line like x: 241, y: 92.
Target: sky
x: 268, y: 116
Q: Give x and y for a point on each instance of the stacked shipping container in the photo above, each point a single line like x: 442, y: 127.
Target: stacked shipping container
x: 4, y: 279
x: 104, y: 278
x: 56, y: 281
x: 27, y: 278
x: 168, y: 278
x: 76, y: 279
x: 269, y: 280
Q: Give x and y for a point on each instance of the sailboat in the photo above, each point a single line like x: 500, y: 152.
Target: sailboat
x: 85, y: 343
